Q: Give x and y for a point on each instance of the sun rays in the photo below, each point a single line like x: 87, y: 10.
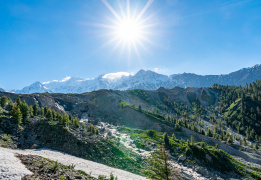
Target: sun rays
x: 128, y: 28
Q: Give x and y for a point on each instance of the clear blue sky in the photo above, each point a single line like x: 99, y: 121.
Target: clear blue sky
x: 42, y: 40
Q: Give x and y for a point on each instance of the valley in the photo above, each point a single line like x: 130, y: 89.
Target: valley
x: 205, y: 130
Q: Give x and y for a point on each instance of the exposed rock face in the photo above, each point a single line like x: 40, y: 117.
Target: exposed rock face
x: 147, y: 80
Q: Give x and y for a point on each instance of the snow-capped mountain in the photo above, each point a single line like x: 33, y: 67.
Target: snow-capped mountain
x: 148, y: 80
x: 2, y: 90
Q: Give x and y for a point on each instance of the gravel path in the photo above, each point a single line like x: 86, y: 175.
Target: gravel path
x: 10, y: 166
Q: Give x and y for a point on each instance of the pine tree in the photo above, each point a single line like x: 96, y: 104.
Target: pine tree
x: 166, y: 140
x: 188, y: 143
x: 59, y: 116
x: 91, y: 129
x: 209, y: 133
x: 3, y: 101
x: 229, y: 140
x: 24, y: 108
x: 173, y: 136
x: 35, y: 109
x: 42, y: 112
x: 240, y: 142
x: 192, y: 140
x: 159, y: 167
x: 18, y: 101
x: 16, y: 114
x: 76, y: 122
x: 244, y: 141
x: 96, y: 131
x: 65, y: 119
x: 54, y: 114
x: 82, y: 126
x: 31, y: 111
x: 140, y: 109
x: 49, y: 115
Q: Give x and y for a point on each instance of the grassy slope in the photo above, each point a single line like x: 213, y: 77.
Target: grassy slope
x: 203, y: 155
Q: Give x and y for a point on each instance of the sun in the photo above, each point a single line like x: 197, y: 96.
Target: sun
x: 129, y: 29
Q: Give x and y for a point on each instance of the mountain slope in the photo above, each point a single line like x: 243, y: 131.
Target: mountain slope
x: 191, y: 114
x: 147, y: 80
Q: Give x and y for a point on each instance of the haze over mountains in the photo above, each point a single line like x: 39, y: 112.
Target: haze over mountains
x: 147, y: 80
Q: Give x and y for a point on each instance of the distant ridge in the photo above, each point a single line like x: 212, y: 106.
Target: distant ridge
x: 143, y: 79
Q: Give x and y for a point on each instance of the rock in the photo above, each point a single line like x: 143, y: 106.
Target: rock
x: 202, y: 171
x: 34, y: 146
x: 208, y: 157
x: 182, y: 158
x: 78, y: 177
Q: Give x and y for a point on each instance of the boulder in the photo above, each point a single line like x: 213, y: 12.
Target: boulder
x: 34, y: 146
x: 202, y: 171
x: 208, y: 157
x: 182, y: 158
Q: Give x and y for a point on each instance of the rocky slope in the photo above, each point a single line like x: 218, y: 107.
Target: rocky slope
x: 182, y: 112
x: 147, y: 80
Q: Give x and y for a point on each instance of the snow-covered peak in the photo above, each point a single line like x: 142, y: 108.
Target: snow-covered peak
x: 67, y: 79
x: 115, y: 76
x: 143, y: 79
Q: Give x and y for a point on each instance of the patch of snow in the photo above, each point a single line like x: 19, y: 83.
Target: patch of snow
x: 11, y: 167
x: 115, y: 76
x: 61, y: 108
x: 95, y: 169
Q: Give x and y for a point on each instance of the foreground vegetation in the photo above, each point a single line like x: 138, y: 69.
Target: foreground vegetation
x: 198, y: 153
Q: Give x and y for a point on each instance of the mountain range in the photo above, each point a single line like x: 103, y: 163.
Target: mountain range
x: 143, y: 79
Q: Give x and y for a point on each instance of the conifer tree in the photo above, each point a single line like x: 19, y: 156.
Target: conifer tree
x: 59, y: 116
x: 18, y: 101
x: 166, y: 140
x: 209, y: 133
x: 173, y: 136
x: 76, y: 122
x: 16, y: 114
x: 54, y: 114
x: 3, y: 101
x: 229, y: 140
x: 42, y: 112
x: 244, y: 141
x: 159, y: 167
x: 35, y: 109
x: 24, y: 108
x: 31, y: 111
x: 65, y: 119
x: 192, y: 140
x: 49, y: 115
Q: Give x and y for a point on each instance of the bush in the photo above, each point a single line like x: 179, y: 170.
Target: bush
x: 151, y: 133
